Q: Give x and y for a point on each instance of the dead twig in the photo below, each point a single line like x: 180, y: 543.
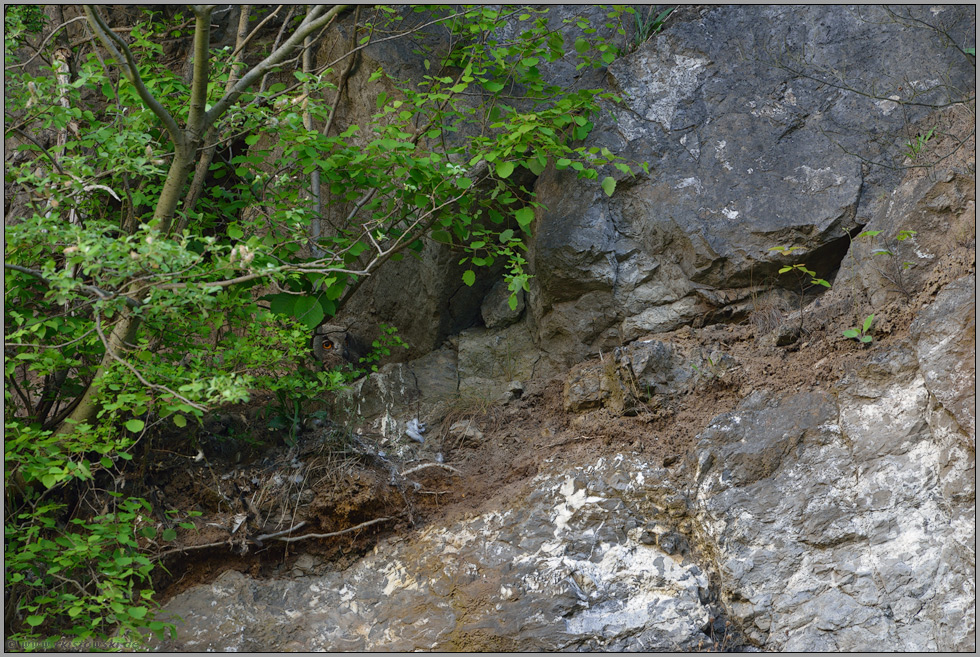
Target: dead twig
x: 430, y: 465
x: 292, y: 539
x: 266, y: 537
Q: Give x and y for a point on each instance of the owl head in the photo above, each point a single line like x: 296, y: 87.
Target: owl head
x: 334, y: 346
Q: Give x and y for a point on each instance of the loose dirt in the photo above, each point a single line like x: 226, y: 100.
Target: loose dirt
x: 330, y: 483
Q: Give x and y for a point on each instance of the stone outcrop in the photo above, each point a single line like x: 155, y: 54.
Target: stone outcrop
x: 831, y: 520
x: 946, y: 340
x: 585, y: 562
x: 749, y: 147
x: 834, y: 518
x: 843, y: 525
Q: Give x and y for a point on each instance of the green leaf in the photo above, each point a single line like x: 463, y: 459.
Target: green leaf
x: 867, y: 323
x: 536, y: 166
x: 524, y: 216
x: 609, y: 185
x: 34, y: 621
x: 504, y: 169
x: 469, y: 277
x: 281, y: 304
x: 234, y: 232
x: 581, y: 45
x: 308, y: 311
x: 106, y: 462
x: 464, y: 183
x: 866, y: 338
x: 180, y: 421
x: 135, y: 425
x: 851, y: 333
x: 169, y: 534
x: 137, y: 612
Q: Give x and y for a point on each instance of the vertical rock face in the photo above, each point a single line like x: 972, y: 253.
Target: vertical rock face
x: 752, y: 143
x: 946, y: 339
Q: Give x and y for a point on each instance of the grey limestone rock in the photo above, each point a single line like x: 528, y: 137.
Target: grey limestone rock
x: 835, y: 521
x: 745, y: 154
x: 562, y: 569
x: 496, y: 309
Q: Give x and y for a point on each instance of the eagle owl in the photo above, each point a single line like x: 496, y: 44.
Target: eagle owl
x: 335, y: 347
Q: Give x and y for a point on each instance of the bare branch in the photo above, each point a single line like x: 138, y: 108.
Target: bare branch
x: 244, y: 41
x: 90, y: 290
x: 313, y: 22
x: 430, y: 465
x: 43, y: 149
x: 266, y: 537
x: 43, y: 43
x: 293, y: 539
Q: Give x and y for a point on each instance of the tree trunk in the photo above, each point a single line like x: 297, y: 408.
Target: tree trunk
x: 123, y: 333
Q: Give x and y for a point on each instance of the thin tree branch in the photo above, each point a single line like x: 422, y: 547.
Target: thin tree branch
x: 430, y: 465
x: 124, y: 58
x: 23, y: 397
x: 136, y: 373
x: 43, y: 149
x: 43, y: 43
x: 293, y: 539
x: 266, y: 537
x: 313, y: 22
x: 53, y: 346
x: 244, y: 42
x: 91, y: 290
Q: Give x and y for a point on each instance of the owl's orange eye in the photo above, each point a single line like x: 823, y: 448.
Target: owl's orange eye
x: 327, y: 345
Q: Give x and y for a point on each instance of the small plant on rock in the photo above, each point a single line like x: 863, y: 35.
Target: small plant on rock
x: 861, y: 334
x: 650, y: 25
x: 917, y: 143
x: 894, y: 271
x: 802, y: 274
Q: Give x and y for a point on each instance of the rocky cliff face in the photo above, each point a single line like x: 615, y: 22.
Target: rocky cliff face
x: 830, y: 505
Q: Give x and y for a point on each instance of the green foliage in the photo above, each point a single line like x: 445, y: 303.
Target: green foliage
x: 83, y: 577
x: 917, y: 143
x: 19, y: 20
x: 147, y: 315
x: 893, y: 270
x: 381, y: 348
x: 802, y: 273
x: 651, y: 24
x: 861, y: 334
x: 799, y: 268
